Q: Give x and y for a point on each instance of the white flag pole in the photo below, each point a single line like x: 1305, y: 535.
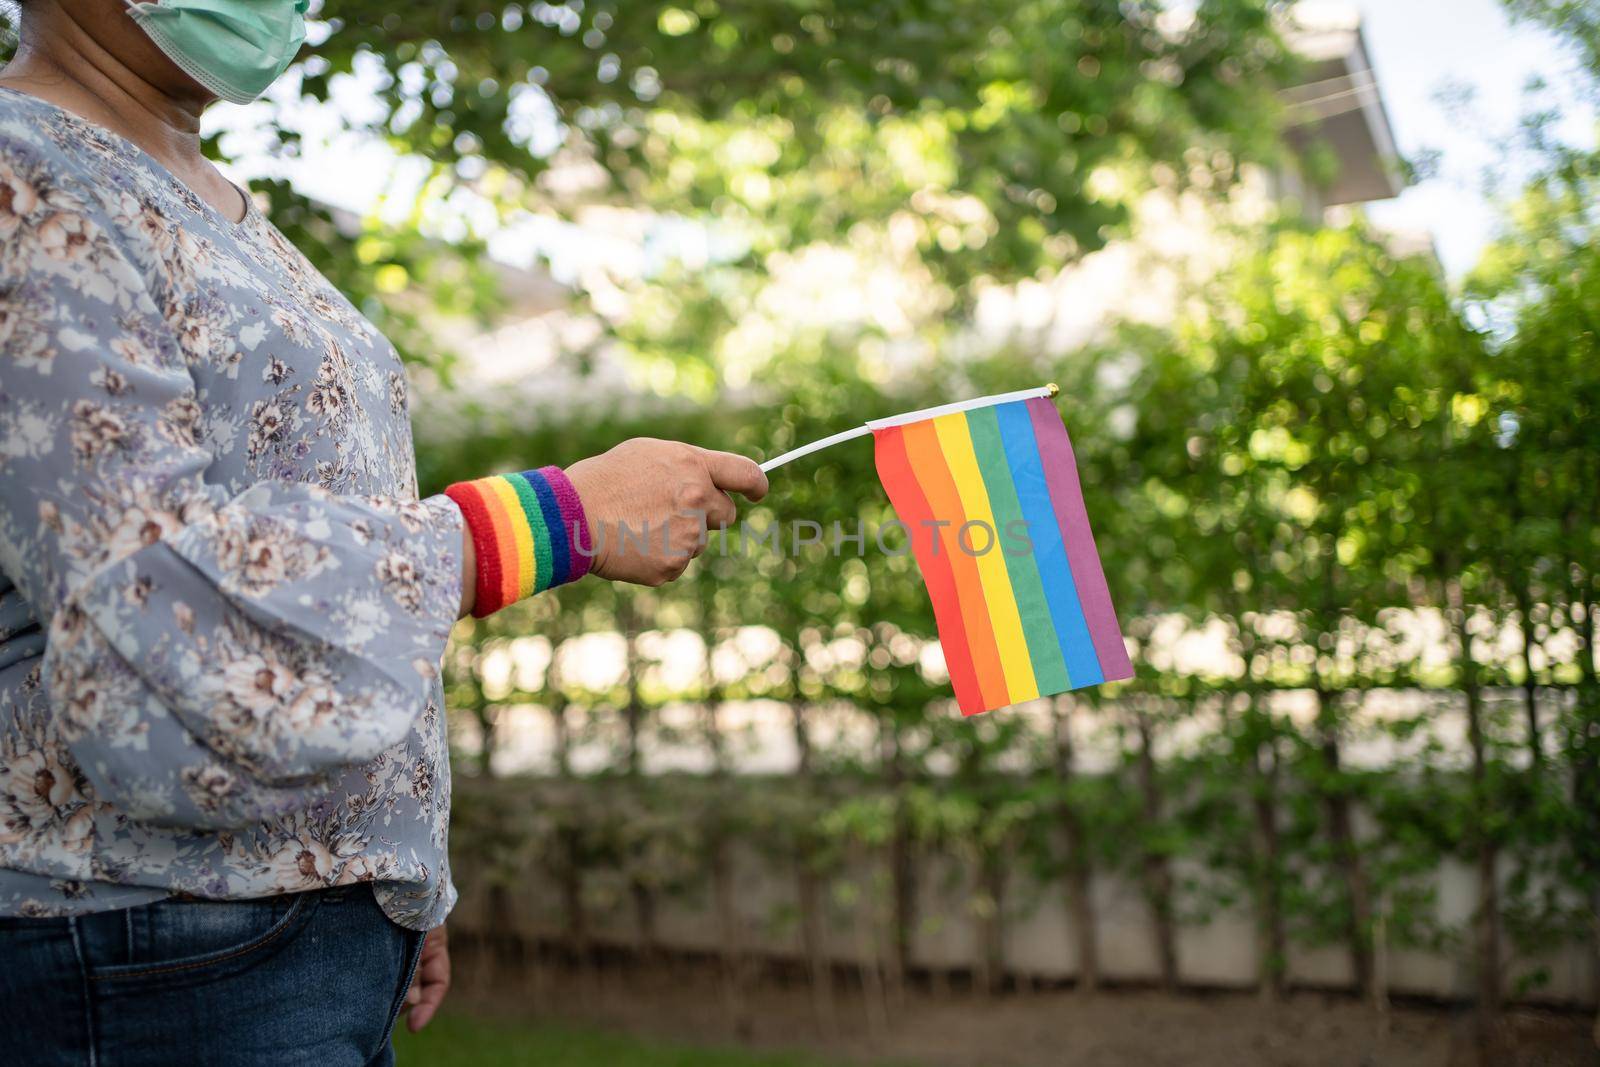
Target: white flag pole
x: 911, y: 416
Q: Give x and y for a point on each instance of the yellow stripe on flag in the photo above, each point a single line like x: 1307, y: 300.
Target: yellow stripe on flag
x: 526, y: 567
x: 955, y: 439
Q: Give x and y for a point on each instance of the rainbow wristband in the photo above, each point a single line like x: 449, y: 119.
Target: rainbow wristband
x: 529, y: 532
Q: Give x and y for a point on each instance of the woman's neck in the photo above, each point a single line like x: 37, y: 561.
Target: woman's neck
x: 72, y: 57
x: 90, y: 59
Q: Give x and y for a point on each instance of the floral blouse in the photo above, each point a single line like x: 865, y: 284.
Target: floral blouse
x: 223, y: 607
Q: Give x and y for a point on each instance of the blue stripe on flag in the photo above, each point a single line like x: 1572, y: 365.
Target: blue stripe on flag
x: 1027, y: 472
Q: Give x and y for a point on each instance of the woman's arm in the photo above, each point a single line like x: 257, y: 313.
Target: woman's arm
x: 215, y: 658
x: 667, y: 491
x: 469, y: 574
x: 212, y: 658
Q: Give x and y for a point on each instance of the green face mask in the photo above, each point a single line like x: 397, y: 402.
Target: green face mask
x: 235, y: 48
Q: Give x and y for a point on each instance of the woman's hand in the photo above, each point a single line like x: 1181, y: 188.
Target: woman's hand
x: 665, y: 494
x: 431, y: 982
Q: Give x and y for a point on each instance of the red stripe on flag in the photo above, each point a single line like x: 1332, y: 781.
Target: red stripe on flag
x: 932, y: 470
x: 911, y: 505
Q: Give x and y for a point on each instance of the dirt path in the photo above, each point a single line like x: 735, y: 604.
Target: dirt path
x: 1039, y: 1029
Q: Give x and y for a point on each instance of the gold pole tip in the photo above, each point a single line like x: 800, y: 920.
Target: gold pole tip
x: 1052, y: 389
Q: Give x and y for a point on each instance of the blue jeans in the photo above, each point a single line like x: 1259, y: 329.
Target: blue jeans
x: 308, y: 978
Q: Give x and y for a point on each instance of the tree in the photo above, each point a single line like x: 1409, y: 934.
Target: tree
x: 1539, y: 283
x: 977, y: 142
x: 1576, y: 20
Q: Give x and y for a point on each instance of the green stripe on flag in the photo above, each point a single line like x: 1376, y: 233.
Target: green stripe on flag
x: 1049, y: 669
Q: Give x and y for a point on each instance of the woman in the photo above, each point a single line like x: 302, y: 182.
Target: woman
x: 223, y: 776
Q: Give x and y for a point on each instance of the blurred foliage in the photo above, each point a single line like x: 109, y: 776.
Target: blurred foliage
x: 1320, y: 456
x: 1379, y: 492
x: 978, y: 147
x: 1371, y: 484
x: 1577, y: 22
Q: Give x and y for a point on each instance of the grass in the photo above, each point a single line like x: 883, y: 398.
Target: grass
x: 452, y: 1040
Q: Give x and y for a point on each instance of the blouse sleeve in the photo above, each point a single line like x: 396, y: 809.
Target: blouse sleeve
x: 212, y: 658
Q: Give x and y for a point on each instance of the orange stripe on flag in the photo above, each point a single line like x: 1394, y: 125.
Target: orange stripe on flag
x: 894, y: 470
x: 961, y: 458
x: 928, y: 463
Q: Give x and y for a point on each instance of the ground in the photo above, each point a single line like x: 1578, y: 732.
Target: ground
x: 627, y: 1018
x: 463, y: 1040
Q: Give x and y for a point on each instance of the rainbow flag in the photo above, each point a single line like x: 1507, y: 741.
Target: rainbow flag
x: 991, y: 499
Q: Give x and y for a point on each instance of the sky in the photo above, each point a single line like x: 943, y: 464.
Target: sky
x: 1420, y: 46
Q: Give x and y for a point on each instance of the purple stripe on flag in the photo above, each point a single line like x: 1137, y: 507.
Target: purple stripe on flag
x: 1066, y: 494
